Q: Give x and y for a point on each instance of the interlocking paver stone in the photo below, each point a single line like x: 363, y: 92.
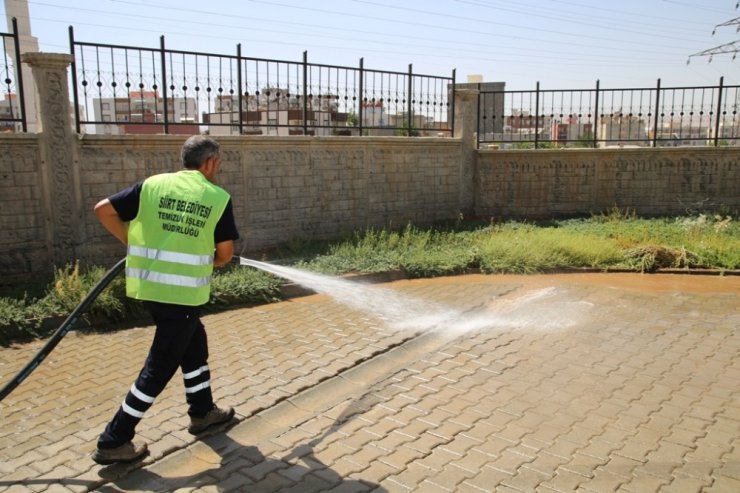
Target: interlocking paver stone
x: 597, y: 383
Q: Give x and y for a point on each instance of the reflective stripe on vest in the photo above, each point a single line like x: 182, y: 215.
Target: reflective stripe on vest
x: 169, y: 279
x: 167, y: 256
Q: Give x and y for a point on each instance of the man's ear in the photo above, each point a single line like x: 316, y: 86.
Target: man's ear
x: 209, y: 168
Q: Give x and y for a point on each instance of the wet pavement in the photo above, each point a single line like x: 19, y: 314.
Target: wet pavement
x: 556, y: 383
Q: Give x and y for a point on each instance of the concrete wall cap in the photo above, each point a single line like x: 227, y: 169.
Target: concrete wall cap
x: 49, y: 60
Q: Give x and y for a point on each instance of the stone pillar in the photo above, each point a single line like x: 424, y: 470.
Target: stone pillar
x: 59, y: 168
x: 466, y: 124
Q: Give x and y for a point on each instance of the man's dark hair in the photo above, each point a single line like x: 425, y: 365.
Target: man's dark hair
x: 197, y: 150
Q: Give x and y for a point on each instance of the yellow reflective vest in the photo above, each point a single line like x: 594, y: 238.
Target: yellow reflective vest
x: 170, y: 242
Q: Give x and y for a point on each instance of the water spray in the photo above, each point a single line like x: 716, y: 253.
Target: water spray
x: 401, y: 312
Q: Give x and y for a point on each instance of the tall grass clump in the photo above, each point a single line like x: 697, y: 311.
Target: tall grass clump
x: 418, y: 252
x: 431, y: 253
x: 527, y: 248
x: 26, y: 316
x: 695, y: 242
x: 236, y: 285
x: 372, y: 250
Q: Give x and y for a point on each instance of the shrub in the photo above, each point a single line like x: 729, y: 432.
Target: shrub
x: 240, y: 285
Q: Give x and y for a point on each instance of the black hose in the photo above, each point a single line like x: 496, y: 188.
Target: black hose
x: 63, y: 329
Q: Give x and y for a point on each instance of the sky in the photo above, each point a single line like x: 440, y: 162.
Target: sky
x: 562, y: 44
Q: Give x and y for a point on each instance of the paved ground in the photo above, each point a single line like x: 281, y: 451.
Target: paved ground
x: 592, y: 383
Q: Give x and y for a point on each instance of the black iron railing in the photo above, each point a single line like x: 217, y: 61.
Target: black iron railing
x: 126, y: 89
x: 646, y: 117
x: 13, y: 104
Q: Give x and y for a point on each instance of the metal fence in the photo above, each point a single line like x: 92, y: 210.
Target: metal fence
x: 125, y: 89
x: 645, y: 117
x: 13, y: 106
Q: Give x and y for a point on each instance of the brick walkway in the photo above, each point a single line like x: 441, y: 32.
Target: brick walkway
x: 593, y: 383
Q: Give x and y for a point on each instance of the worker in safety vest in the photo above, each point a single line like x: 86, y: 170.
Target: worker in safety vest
x: 177, y: 227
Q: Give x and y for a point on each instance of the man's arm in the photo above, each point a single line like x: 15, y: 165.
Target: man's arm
x: 111, y: 221
x: 224, y: 236
x: 224, y: 252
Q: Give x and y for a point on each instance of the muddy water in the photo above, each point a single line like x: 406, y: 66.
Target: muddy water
x: 541, y: 302
x: 648, y: 283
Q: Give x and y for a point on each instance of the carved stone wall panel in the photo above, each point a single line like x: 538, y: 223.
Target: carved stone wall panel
x: 22, y: 218
x: 58, y: 166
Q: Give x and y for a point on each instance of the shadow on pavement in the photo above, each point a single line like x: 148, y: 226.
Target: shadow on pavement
x: 237, y: 467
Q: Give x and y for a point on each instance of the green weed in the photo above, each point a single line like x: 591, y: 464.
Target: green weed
x: 615, y: 239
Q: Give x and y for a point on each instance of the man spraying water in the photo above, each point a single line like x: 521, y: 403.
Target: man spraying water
x: 177, y: 227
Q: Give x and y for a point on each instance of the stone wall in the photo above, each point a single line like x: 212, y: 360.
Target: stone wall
x: 569, y: 182
x: 23, y: 217
x: 287, y: 187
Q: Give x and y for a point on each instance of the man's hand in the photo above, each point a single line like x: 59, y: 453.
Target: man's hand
x: 110, y: 219
x: 224, y: 252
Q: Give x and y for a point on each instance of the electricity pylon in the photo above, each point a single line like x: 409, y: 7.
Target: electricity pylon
x: 732, y: 47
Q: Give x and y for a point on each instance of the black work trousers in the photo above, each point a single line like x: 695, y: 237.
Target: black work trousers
x: 180, y: 341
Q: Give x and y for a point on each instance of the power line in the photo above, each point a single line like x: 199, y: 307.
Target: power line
x: 588, y: 22
x: 413, y: 31
x: 580, y: 36
x: 301, y: 25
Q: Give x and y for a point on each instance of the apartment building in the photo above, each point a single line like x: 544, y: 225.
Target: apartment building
x: 621, y: 129
x: 10, y: 108
x: 571, y: 129
x: 142, y: 112
x: 274, y: 111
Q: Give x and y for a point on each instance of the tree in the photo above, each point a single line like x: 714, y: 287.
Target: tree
x: 352, y: 119
x: 585, y: 140
x: 408, y: 130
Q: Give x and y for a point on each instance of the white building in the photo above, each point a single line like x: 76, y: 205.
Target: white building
x: 272, y: 112
x: 143, y: 113
x: 10, y: 107
x: 622, y: 130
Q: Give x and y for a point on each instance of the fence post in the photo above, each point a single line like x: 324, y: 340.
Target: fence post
x: 657, y: 112
x: 596, y: 116
x: 305, y: 93
x: 164, y: 85
x: 239, y: 85
x: 410, y: 106
x: 537, y: 116
x: 719, y: 111
x: 478, y: 119
x: 452, y: 93
x: 75, y: 94
x: 19, y: 76
x: 362, y: 91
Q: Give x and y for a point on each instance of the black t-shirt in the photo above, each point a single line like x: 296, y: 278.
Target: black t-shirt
x: 126, y: 204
